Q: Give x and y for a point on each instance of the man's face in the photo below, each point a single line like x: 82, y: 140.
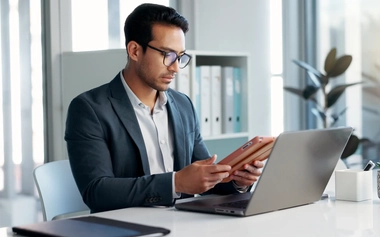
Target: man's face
x: 151, y: 69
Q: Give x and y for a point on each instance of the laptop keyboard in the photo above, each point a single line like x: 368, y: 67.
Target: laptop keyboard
x: 237, y: 204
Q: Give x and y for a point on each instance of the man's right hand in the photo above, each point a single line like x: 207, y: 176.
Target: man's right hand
x: 200, y: 176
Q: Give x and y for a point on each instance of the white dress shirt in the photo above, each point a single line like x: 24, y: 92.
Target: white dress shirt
x: 157, y: 134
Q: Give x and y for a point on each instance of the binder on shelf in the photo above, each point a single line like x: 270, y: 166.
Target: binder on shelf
x: 195, y: 90
x: 183, y: 81
x: 205, y: 115
x: 216, y: 100
x: 237, y: 99
x: 227, y: 100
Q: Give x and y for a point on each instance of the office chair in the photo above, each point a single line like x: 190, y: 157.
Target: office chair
x: 59, y: 194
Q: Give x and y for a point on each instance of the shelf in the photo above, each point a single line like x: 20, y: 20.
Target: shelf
x: 224, y: 59
x: 227, y: 136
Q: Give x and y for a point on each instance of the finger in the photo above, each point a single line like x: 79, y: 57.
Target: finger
x: 213, y: 158
x: 252, y: 169
x: 243, y: 182
x: 208, y: 161
x: 258, y: 164
x: 218, y: 168
x: 228, y: 179
x: 247, y: 179
x: 217, y: 177
x: 245, y: 175
x: 248, y: 170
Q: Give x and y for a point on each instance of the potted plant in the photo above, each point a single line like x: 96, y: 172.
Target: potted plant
x: 333, y: 67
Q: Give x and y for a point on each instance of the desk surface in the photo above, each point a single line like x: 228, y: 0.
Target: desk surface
x: 327, y: 217
x: 323, y: 218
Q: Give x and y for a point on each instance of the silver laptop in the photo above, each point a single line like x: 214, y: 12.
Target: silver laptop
x: 296, y: 173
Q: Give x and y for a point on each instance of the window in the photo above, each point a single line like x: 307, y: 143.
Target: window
x: 353, y: 28
x: 22, y: 145
x: 21, y: 120
x: 101, y: 27
x: 277, y: 109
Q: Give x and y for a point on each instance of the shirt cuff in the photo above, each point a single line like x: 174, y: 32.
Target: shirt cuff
x: 174, y: 193
x: 240, y: 189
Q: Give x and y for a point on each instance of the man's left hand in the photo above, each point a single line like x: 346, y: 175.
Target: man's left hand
x: 248, y: 175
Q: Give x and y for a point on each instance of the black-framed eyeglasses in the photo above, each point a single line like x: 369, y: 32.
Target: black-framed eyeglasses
x: 171, y: 57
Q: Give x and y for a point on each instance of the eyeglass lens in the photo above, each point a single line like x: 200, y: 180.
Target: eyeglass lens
x: 171, y: 57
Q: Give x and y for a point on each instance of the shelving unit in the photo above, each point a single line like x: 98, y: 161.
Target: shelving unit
x: 225, y: 143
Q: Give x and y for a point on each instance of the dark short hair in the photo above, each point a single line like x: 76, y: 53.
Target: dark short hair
x: 138, y: 25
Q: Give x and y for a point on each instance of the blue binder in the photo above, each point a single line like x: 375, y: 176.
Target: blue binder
x: 237, y: 99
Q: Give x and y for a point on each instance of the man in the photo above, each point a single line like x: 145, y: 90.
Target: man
x: 134, y: 141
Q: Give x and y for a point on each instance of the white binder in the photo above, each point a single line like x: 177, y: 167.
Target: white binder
x: 205, y: 115
x: 195, y: 92
x: 216, y: 100
x: 227, y: 100
x: 183, y: 81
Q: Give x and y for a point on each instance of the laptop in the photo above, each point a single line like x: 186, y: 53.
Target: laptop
x: 295, y: 174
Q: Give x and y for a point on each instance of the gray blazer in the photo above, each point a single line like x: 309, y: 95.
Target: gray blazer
x: 107, y: 152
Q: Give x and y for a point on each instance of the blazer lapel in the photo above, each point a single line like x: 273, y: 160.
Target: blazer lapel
x: 178, y: 133
x: 124, y: 109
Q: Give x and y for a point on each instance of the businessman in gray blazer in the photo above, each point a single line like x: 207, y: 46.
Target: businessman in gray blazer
x: 136, y: 142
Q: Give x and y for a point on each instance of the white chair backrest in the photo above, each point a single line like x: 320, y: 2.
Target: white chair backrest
x: 58, y: 191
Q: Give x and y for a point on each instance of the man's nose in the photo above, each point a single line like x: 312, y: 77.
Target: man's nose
x: 174, y: 67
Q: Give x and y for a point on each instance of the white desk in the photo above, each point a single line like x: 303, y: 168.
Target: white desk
x: 324, y: 218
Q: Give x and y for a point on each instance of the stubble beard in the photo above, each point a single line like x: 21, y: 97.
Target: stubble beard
x: 151, y: 82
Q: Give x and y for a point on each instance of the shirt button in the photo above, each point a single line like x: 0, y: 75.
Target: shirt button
x: 162, y: 141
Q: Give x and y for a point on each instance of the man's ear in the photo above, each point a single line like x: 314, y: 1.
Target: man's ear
x: 134, y: 50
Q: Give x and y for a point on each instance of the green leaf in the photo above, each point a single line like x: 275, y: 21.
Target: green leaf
x: 301, y: 93
x: 330, y: 60
x: 366, y: 142
x: 336, y: 117
x: 340, y: 66
x: 308, y: 68
x: 325, y: 80
x: 316, y: 80
x: 294, y: 91
x: 309, y: 92
x: 336, y: 92
x: 318, y: 113
x: 351, y: 147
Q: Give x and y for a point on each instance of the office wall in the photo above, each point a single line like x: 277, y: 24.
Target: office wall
x: 239, y: 26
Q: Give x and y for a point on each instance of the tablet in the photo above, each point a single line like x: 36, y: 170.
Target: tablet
x: 258, y: 148
x: 88, y: 226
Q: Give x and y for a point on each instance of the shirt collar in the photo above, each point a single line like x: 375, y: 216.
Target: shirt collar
x: 162, y: 97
